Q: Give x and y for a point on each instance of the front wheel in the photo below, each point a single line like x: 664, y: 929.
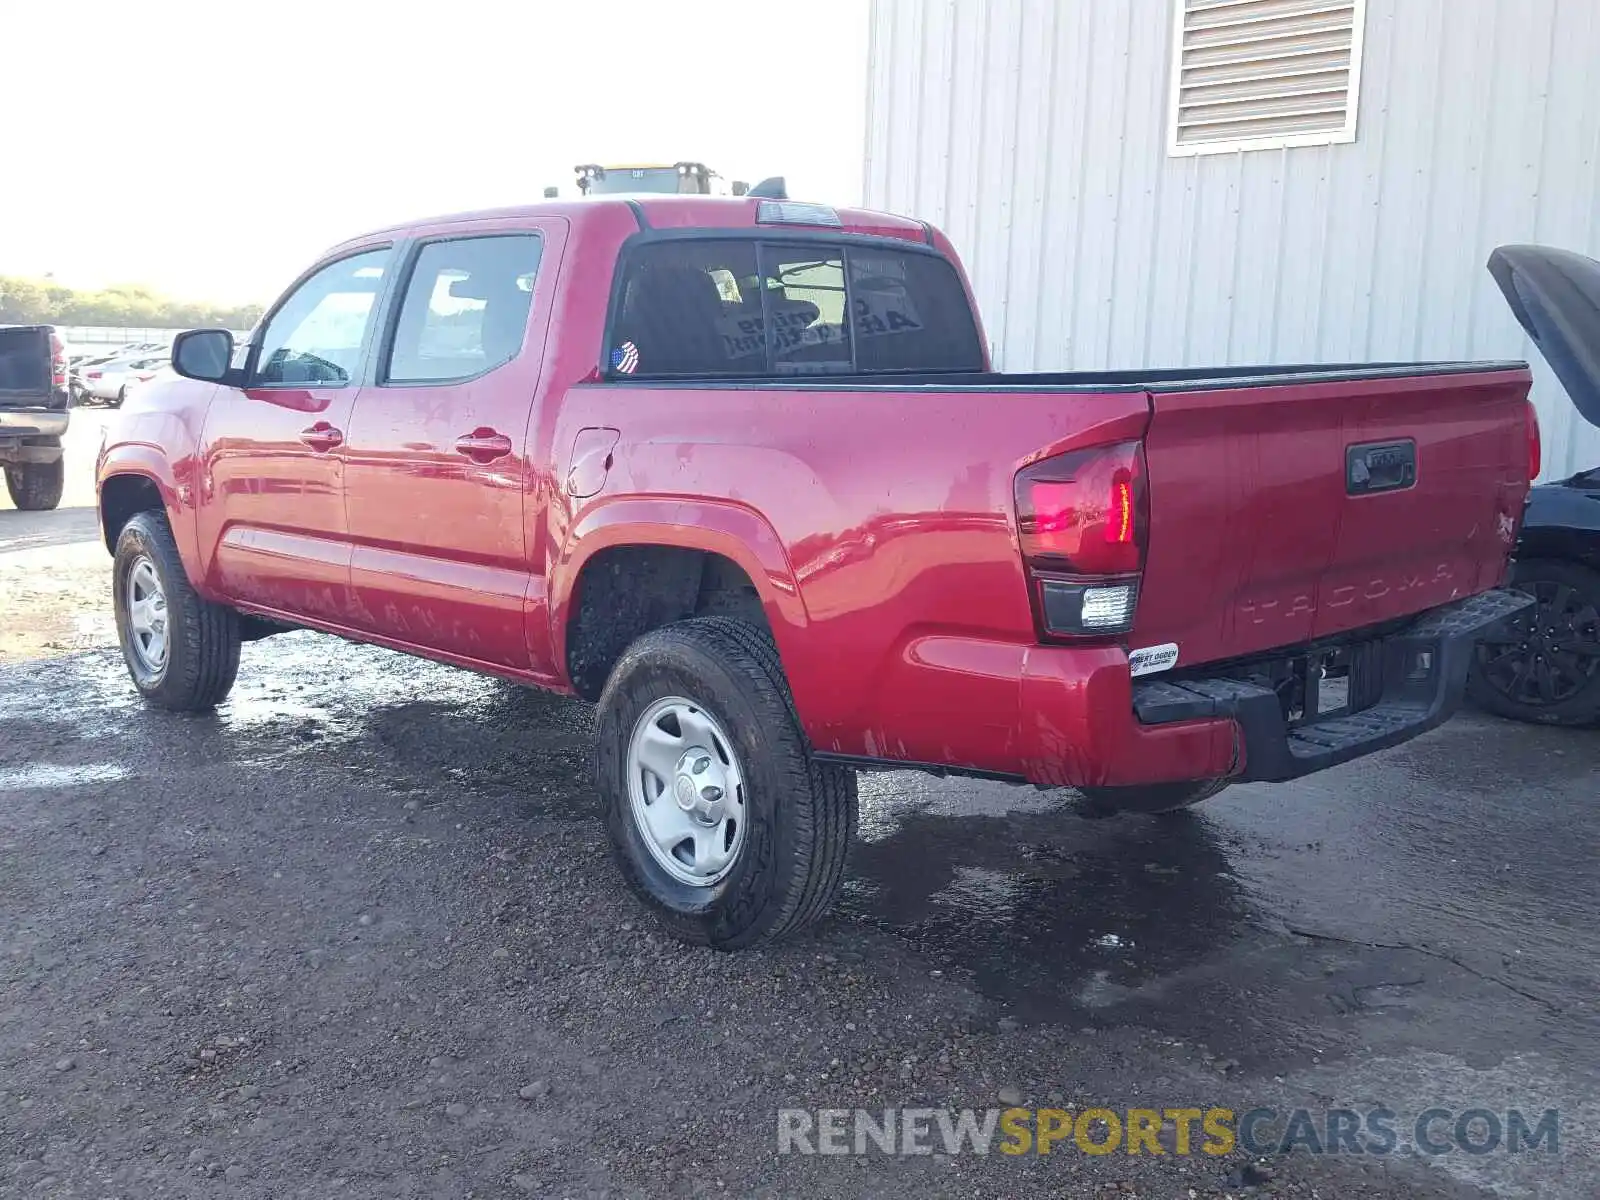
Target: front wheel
x: 36, y: 487
x: 720, y: 820
x: 1543, y: 665
x: 1159, y: 799
x: 182, y: 651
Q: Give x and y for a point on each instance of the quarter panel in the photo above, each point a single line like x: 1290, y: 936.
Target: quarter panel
x: 891, y: 570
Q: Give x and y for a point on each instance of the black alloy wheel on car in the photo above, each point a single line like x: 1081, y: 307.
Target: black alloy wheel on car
x: 1544, y: 664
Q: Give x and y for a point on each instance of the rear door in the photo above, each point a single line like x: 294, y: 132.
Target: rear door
x: 436, y: 467
x: 1287, y: 511
x: 272, y: 521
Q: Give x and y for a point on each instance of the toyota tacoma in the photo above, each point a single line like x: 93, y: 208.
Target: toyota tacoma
x: 740, y: 472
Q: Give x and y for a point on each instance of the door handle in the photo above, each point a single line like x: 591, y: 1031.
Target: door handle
x: 483, y: 445
x: 322, y: 436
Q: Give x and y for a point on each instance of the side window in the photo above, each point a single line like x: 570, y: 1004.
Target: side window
x: 805, y: 309
x: 315, y: 337
x: 465, y: 309
x: 690, y: 308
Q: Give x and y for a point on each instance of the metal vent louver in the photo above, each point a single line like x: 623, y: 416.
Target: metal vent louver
x: 1265, y: 72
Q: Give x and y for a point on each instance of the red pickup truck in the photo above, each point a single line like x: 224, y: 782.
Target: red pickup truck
x: 738, y: 471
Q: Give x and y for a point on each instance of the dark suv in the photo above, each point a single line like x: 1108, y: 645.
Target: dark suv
x: 1544, y: 665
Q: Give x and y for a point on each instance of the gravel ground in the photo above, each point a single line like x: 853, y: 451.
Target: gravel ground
x: 358, y: 934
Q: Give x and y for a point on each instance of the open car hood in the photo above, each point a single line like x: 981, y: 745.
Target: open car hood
x: 1555, y: 294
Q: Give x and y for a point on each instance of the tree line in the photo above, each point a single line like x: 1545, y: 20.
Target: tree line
x: 45, y: 302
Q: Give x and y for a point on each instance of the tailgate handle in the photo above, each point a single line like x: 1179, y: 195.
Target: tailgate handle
x: 1380, y: 467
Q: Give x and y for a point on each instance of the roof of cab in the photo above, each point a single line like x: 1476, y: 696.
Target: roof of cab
x: 667, y: 212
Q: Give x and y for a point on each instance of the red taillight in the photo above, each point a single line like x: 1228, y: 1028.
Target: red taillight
x: 1120, y: 531
x: 58, y: 359
x: 1082, y: 518
x: 1083, y: 512
x: 1535, y: 447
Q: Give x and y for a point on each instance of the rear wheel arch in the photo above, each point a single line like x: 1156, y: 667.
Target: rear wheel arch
x: 622, y: 592
x: 729, y: 540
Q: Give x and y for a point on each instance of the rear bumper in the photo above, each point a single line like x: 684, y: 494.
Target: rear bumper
x: 31, y: 435
x: 32, y: 422
x: 1072, y: 716
x: 1423, y: 679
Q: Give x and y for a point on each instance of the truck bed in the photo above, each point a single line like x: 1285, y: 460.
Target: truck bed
x: 892, y: 500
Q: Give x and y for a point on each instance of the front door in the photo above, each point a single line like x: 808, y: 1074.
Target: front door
x: 436, y: 463
x: 271, y: 516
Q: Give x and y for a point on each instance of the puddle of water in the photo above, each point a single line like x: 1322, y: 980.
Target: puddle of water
x: 45, y: 775
x: 1057, y: 916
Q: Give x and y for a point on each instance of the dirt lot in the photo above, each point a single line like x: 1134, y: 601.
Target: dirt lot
x: 357, y: 935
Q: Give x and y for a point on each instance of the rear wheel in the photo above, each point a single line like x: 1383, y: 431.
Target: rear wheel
x: 182, y: 651
x: 720, y: 820
x: 1153, y: 798
x: 122, y: 394
x: 1543, y: 665
x: 36, y: 487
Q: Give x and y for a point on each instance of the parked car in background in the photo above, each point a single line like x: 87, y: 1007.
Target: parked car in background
x: 138, y: 376
x: 34, y: 399
x: 110, y: 381
x: 77, y: 363
x: 1544, y: 665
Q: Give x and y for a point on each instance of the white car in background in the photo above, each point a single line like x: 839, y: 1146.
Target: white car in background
x: 136, y: 379
x: 111, y: 381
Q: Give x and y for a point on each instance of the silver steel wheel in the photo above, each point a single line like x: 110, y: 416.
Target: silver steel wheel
x: 147, y: 615
x: 686, y: 791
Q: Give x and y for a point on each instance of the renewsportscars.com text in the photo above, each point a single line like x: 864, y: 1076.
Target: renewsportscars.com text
x: 1179, y: 1131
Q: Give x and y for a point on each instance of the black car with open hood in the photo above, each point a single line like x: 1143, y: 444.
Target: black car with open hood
x: 1544, y: 665
x: 1555, y: 294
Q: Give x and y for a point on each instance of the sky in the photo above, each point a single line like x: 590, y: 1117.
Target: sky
x: 212, y: 149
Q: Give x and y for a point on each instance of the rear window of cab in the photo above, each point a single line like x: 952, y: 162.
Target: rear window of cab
x: 729, y: 307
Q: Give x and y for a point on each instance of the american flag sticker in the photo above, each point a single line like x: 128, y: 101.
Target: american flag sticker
x: 625, y: 358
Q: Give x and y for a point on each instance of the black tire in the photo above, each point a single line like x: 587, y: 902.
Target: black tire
x: 1543, y: 666
x: 202, y: 638
x: 122, y: 394
x: 1155, y: 799
x: 800, y: 814
x: 36, y: 487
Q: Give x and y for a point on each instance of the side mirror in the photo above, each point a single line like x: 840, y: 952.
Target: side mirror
x: 203, y: 354
x: 740, y: 187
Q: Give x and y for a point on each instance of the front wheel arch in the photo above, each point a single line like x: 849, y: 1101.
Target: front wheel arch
x: 123, y: 495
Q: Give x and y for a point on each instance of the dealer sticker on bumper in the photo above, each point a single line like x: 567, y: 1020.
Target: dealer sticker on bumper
x: 1153, y: 659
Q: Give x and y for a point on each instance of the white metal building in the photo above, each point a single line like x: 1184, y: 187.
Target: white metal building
x: 1193, y: 182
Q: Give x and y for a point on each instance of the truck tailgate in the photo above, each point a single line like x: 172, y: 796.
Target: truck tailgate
x: 25, y: 365
x: 1286, y: 511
